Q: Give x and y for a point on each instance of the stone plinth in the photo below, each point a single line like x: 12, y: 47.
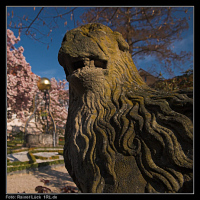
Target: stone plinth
x: 40, y: 140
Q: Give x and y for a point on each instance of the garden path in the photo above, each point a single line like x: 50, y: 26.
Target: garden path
x: 58, y: 178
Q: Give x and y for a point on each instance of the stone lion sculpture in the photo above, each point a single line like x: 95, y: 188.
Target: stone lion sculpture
x: 121, y: 136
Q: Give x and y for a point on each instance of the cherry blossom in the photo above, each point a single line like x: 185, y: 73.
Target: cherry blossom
x: 22, y: 86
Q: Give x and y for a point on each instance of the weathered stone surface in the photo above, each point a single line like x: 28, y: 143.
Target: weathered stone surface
x: 121, y: 136
x: 40, y: 140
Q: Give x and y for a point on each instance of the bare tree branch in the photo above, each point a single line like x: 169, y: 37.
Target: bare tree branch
x: 148, y: 31
x: 59, y: 15
x: 98, y: 14
x: 34, y: 19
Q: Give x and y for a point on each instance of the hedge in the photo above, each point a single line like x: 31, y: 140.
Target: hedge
x: 9, y: 151
x: 32, y: 157
x: 17, y: 165
x: 60, y: 152
x: 37, y: 151
x: 46, y: 158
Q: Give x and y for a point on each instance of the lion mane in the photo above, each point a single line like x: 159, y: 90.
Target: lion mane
x: 114, y: 117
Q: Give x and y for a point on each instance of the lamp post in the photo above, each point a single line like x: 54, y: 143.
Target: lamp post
x: 44, y: 85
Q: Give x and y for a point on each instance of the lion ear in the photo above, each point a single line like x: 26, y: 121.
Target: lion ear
x: 123, y: 45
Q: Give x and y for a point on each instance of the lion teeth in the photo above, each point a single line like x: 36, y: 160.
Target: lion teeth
x: 92, y: 63
x: 86, y: 63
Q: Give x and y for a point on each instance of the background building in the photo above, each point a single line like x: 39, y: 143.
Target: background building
x: 148, y: 78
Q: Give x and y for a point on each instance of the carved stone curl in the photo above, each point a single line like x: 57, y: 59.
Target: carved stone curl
x: 121, y: 136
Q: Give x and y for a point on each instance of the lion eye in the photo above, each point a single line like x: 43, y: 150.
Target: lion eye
x: 100, y: 63
x: 78, y: 64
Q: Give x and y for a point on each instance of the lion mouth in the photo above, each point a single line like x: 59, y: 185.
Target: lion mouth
x: 84, y: 64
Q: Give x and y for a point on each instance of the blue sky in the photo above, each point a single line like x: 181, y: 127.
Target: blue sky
x: 44, y: 61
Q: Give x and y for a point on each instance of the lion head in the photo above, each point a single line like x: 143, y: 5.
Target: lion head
x: 121, y: 136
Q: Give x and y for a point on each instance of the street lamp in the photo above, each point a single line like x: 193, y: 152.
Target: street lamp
x: 44, y: 85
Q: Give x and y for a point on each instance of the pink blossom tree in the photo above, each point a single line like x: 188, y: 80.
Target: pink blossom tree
x: 21, y: 81
x: 22, y: 85
x: 59, y: 102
